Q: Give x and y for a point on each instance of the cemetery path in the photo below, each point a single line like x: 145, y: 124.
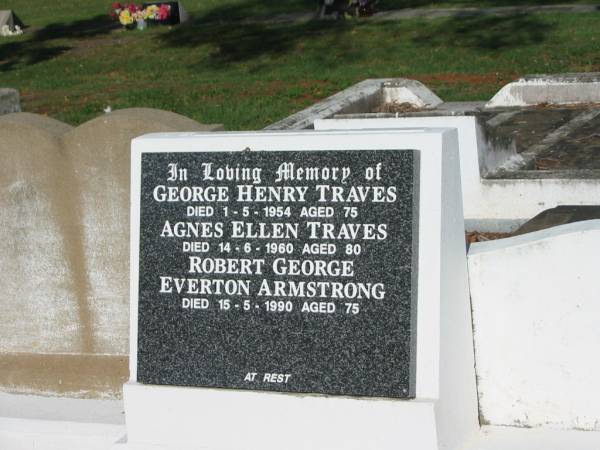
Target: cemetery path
x: 435, y: 13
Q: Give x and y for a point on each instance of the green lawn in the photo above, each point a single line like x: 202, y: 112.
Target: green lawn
x: 71, y: 63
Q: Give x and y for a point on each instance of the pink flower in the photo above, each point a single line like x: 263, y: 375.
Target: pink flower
x: 164, y: 11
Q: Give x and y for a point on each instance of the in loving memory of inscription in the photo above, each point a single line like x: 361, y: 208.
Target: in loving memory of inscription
x: 281, y: 271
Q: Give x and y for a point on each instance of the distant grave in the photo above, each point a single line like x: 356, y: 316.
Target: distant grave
x: 9, y: 19
x: 178, y: 12
x: 516, y: 159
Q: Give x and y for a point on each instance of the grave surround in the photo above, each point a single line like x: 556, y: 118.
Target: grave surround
x: 443, y: 412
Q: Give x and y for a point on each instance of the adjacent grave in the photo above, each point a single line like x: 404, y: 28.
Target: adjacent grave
x: 330, y: 264
x: 64, y: 197
x: 540, y: 375
x: 10, y: 19
x: 519, y: 159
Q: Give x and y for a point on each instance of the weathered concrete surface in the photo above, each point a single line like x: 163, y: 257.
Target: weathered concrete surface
x: 36, y: 121
x: 64, y: 243
x: 10, y: 101
x: 76, y: 375
x: 39, y: 310
x: 363, y: 96
x: 535, y: 318
x: 560, y: 89
x: 99, y: 152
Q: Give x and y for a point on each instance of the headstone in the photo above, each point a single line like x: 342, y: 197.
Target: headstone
x: 298, y: 263
x: 64, y: 197
x: 8, y: 17
x: 287, y: 281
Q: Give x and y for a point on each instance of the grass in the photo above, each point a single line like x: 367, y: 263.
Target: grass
x: 72, y: 62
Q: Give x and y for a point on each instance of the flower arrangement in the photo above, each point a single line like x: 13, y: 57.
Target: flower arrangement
x: 5, y: 31
x: 131, y: 15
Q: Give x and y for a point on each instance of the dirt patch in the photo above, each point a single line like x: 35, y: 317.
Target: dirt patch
x: 397, y: 107
x: 88, y: 46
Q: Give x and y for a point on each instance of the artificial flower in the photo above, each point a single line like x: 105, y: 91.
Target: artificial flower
x: 152, y: 12
x: 125, y: 17
x: 164, y: 11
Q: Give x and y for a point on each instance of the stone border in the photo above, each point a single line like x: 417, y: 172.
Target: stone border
x: 561, y: 89
x: 361, y: 97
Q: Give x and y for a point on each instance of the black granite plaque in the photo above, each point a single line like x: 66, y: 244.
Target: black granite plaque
x: 279, y: 271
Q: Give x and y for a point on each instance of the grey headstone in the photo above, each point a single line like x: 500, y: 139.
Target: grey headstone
x: 367, y: 351
x: 183, y: 15
x: 7, y: 17
x: 9, y: 101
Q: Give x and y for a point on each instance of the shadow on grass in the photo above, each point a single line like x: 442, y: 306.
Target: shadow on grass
x: 232, y: 42
x: 258, y: 8
x: 37, y: 45
x: 488, y: 33
x: 241, y: 42
x: 399, y: 4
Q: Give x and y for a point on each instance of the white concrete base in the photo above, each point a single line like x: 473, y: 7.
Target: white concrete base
x: 174, y: 418
x: 41, y: 423
x: 29, y: 422
x: 511, y: 438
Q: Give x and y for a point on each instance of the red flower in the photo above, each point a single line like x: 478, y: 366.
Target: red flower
x: 117, y: 5
x: 164, y: 11
x: 132, y: 8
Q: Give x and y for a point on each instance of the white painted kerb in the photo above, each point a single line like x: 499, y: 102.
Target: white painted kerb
x: 536, y: 314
